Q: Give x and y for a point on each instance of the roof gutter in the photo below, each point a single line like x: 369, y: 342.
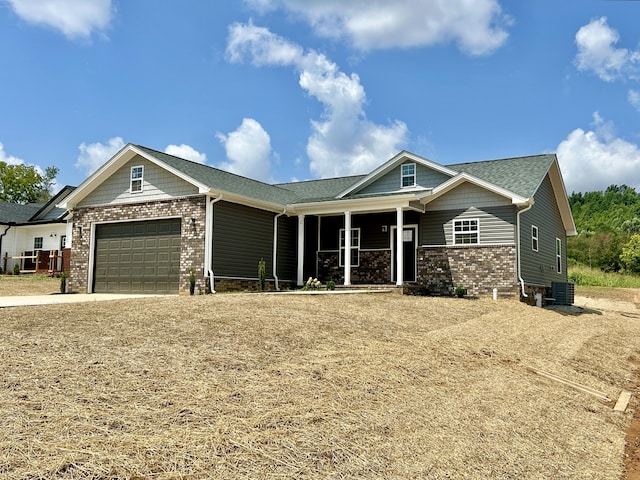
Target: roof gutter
x: 518, y: 249
x: 11, y: 224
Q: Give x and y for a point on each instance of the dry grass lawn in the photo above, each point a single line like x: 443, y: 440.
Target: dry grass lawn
x: 333, y: 386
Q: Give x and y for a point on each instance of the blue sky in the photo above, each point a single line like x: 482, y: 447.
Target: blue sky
x: 283, y: 90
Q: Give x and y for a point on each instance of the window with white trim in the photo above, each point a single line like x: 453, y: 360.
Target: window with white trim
x: 558, y: 255
x: 355, y: 247
x: 408, y: 175
x: 466, y: 231
x: 534, y: 238
x: 136, y: 178
x: 37, y: 243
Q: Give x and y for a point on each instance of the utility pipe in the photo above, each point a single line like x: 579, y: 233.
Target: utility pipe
x: 209, y: 244
x: 518, y: 248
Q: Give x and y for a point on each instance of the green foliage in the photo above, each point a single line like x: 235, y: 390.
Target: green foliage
x: 460, y: 291
x: 581, y: 275
x: 25, y: 184
x: 605, y: 222
x: 630, y: 256
x: 192, y: 281
x: 312, y: 284
x: 16, y: 269
x: 331, y: 285
x: 262, y: 274
x: 63, y: 282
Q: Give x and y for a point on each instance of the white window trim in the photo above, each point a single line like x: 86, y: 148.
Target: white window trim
x: 476, y: 231
x: 41, y: 243
x: 403, y: 175
x: 341, y: 249
x: 558, y: 255
x: 535, y: 238
x: 141, y: 179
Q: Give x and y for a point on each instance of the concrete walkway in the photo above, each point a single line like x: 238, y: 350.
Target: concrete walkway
x: 26, y: 300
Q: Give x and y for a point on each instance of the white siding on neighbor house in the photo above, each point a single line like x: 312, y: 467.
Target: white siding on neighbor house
x: 158, y: 184
x: 496, y: 225
x: 465, y: 195
x: 390, y: 182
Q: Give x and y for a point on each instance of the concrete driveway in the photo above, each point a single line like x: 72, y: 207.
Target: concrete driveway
x: 21, y: 301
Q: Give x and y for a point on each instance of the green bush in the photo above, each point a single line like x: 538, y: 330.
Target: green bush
x: 16, y: 269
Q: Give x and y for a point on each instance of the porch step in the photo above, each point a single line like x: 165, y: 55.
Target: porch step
x: 391, y: 286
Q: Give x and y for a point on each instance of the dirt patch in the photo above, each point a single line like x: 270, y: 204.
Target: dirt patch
x: 254, y: 386
x: 21, y: 285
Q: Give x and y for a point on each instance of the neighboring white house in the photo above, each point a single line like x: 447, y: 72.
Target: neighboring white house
x: 34, y: 236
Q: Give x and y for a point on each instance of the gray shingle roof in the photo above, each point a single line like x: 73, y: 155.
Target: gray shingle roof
x: 521, y: 175
x: 17, y: 213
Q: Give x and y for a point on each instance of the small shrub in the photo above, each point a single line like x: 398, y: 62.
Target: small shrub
x: 331, y: 285
x: 63, y: 282
x: 460, y: 291
x: 262, y: 274
x: 312, y: 284
x: 192, y: 281
x: 16, y: 269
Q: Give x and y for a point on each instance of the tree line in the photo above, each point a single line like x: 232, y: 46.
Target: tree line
x: 608, y: 226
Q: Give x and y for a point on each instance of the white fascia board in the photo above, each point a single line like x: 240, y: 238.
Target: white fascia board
x: 125, y: 154
x: 358, y: 205
x: 562, y: 200
x: 247, y: 201
x: 465, y: 177
x: 389, y: 165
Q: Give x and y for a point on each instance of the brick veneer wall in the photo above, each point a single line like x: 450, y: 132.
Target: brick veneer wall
x: 479, y: 269
x: 192, y: 239
x: 375, y: 268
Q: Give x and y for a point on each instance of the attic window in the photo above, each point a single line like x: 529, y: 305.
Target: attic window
x: 408, y: 175
x: 136, y: 179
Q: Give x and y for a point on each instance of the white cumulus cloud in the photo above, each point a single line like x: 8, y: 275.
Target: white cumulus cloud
x: 248, y: 151
x: 9, y: 159
x: 592, y: 160
x: 343, y: 141
x: 597, y: 52
x: 477, y: 27
x: 93, y: 155
x: 74, y: 18
x: 187, y: 152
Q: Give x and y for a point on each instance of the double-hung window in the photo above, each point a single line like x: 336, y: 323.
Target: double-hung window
x: 534, y: 238
x: 466, y: 231
x: 355, y: 247
x: 37, y: 243
x: 136, y: 178
x: 408, y: 175
x: 558, y: 255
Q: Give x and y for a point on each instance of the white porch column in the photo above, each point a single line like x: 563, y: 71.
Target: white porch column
x: 399, y: 247
x: 347, y: 248
x: 300, y: 250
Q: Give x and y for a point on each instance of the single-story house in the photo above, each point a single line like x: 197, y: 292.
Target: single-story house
x: 34, y: 236
x: 144, y: 219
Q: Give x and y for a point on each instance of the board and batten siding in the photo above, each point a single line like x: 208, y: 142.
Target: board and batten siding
x: 241, y: 237
x: 497, y: 225
x: 539, y: 268
x: 390, y: 182
x: 158, y: 184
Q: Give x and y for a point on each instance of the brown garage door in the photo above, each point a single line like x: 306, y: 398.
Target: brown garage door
x: 138, y: 257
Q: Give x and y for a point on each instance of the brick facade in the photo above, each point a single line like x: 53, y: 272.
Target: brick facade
x: 192, y: 238
x: 374, y: 269
x: 477, y: 268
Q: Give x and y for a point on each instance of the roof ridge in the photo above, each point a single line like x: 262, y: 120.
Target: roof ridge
x: 502, y: 159
x: 321, y: 179
x: 244, y: 178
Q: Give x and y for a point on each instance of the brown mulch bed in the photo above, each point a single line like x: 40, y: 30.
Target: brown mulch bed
x: 334, y: 386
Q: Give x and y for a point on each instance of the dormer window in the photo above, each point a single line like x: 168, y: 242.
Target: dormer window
x: 136, y: 179
x: 408, y: 175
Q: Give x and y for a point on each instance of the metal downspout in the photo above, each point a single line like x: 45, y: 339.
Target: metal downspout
x: 210, y: 266
x: 520, y: 279
x: 275, y: 248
